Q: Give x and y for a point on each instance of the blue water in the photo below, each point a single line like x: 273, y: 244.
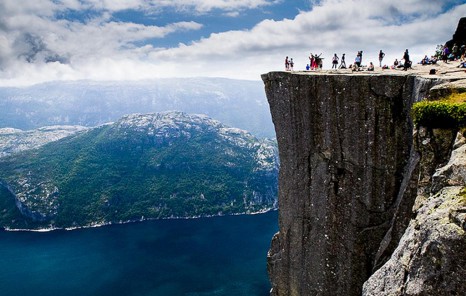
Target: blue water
x: 196, y: 257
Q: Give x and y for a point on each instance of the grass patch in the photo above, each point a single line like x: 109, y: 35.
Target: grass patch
x: 448, y: 112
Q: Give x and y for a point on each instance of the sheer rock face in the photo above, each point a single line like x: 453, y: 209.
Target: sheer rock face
x: 431, y: 255
x: 347, y: 177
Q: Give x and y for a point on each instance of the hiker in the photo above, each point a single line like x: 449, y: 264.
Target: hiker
x: 287, y: 64
x: 454, y: 51
x: 291, y: 64
x: 335, y: 61
x: 318, y: 61
x: 381, y: 56
x: 357, y: 60
x: 360, y: 57
x: 371, y: 67
x: 445, y: 54
x: 462, y: 52
x: 312, y: 61
x: 342, y: 62
x: 407, y: 63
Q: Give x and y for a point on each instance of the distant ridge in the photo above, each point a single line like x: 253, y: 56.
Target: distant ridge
x: 238, y: 103
x: 158, y: 165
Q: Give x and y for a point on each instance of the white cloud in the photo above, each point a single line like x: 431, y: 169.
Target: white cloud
x: 343, y: 26
x: 105, y: 50
x: 31, y: 33
x: 199, y: 6
x: 335, y: 26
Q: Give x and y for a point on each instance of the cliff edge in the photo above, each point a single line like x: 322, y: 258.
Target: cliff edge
x: 349, y: 175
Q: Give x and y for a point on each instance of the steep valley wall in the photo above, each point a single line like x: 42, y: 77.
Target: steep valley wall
x: 348, y: 176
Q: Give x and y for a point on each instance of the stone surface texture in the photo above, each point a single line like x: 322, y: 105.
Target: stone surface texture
x: 346, y: 177
x: 431, y: 256
x: 352, y: 171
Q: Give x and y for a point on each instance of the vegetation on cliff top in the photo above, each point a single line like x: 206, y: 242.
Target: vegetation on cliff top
x: 447, y: 112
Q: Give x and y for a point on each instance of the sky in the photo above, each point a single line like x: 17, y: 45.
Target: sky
x: 49, y: 40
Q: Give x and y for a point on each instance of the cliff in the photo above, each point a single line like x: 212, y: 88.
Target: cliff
x: 348, y: 178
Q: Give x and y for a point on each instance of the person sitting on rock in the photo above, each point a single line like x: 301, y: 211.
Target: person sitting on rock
x: 371, y: 67
x: 425, y: 61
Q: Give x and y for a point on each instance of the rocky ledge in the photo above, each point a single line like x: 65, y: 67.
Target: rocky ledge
x: 351, y: 172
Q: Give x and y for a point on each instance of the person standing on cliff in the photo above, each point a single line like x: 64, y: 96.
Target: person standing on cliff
x: 342, y: 63
x: 287, y: 64
x: 445, y: 54
x: 291, y: 64
x: 381, y: 56
x: 407, y: 63
x: 357, y: 60
x: 311, y: 60
x: 335, y: 61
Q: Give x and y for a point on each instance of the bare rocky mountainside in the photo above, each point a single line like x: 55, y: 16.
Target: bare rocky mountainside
x: 369, y: 202
x: 15, y: 140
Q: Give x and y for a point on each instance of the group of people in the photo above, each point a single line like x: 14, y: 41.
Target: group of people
x: 443, y: 52
x: 289, y: 64
x: 428, y: 61
x: 335, y: 60
x: 407, y: 64
x: 315, y: 62
x: 454, y: 54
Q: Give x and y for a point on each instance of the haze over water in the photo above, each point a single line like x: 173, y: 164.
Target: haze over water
x: 195, y: 257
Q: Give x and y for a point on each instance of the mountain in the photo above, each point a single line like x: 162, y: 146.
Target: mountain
x: 238, y: 103
x: 16, y: 140
x: 160, y: 165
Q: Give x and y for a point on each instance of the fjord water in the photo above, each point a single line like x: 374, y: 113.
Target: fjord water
x: 193, y: 257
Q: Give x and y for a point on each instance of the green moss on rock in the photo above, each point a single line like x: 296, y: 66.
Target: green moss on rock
x: 439, y: 114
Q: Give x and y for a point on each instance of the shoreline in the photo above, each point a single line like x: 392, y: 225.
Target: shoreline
x: 142, y: 219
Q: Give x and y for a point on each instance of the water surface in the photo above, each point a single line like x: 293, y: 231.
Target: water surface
x: 195, y: 257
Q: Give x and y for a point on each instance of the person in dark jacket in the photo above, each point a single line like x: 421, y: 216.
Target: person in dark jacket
x: 407, y: 63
